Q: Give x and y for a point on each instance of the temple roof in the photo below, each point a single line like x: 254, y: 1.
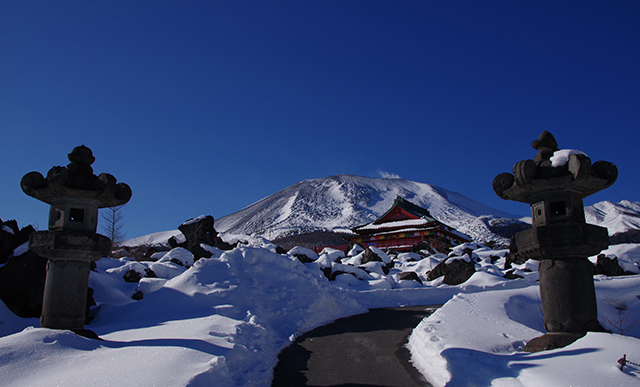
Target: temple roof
x: 410, y: 208
x: 402, y: 214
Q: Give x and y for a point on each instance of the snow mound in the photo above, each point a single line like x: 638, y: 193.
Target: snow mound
x: 221, y: 322
x: 484, y: 332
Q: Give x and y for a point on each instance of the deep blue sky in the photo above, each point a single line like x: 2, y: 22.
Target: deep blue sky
x: 204, y: 107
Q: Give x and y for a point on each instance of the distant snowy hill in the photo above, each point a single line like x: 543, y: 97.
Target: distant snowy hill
x: 344, y: 201
x: 617, y: 217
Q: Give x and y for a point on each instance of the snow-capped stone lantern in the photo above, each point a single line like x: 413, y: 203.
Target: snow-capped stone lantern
x: 554, y: 184
x: 71, y: 243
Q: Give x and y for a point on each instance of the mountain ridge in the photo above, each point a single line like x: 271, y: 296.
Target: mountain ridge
x: 340, y: 202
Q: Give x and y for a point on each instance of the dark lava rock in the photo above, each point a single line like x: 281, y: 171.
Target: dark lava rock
x: 12, y: 237
x: 458, y: 271
x: 455, y: 271
x: 22, y: 284
x: 410, y: 275
x: 370, y: 256
x: 132, y: 276
x: 609, y: 267
x: 511, y: 274
x: 199, y: 231
x: 303, y: 258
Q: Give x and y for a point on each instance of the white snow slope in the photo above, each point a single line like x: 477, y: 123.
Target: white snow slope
x: 223, y: 321
x: 344, y: 201
x: 617, y: 217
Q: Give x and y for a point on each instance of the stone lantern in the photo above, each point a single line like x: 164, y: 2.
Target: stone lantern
x: 560, y: 237
x: 71, y: 243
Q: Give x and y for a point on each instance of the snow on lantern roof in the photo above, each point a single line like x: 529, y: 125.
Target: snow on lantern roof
x: 561, y: 156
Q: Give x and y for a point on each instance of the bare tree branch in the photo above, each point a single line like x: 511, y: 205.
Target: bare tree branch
x: 622, y: 321
x: 113, y: 225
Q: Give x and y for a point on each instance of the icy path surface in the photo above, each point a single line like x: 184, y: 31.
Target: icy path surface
x: 367, y: 349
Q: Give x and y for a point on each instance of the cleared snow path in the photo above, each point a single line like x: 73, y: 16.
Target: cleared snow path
x: 362, y: 350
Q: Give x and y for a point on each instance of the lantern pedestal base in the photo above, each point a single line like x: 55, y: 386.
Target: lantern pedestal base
x: 551, y: 341
x: 64, y: 303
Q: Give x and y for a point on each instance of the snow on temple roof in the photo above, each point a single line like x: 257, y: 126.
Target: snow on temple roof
x: 396, y: 224
x: 401, y: 214
x: 410, y: 208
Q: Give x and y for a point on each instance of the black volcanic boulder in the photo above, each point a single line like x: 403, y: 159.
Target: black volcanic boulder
x: 455, y: 271
x: 12, y: 237
x: 410, y: 275
x: 436, y: 272
x: 199, y: 231
x: 22, y: 277
x: 421, y: 246
x: 458, y: 271
x: 137, y: 296
x: 303, y: 258
x: 370, y: 256
x: 609, y: 267
x: 303, y: 254
x: 331, y: 275
x: 513, y: 257
x: 511, y: 275
x: 132, y: 276
x: 22, y: 284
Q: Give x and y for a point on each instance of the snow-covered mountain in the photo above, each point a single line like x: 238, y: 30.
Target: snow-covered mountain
x: 337, y: 203
x: 617, y: 217
x: 343, y: 201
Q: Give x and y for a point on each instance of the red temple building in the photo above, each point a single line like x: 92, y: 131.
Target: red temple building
x: 403, y: 226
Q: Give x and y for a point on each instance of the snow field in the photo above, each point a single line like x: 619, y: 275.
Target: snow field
x: 222, y: 321
x: 475, y: 339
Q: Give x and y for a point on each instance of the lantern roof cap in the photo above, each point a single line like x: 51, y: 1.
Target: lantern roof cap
x: 76, y: 181
x: 531, y: 178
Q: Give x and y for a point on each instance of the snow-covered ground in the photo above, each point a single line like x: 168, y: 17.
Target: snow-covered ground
x: 223, y: 320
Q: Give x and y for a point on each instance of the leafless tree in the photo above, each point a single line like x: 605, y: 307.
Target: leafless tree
x: 623, y: 320
x: 113, y: 225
